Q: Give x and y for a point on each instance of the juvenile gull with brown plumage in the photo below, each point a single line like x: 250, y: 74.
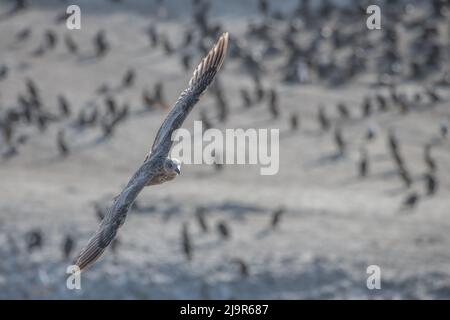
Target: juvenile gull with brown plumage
x: 157, y: 167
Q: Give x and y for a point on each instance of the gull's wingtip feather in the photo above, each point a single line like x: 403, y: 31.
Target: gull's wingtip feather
x: 92, y: 251
x: 201, y: 78
x: 210, y: 64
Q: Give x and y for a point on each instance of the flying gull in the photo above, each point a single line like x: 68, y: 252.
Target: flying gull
x: 157, y: 167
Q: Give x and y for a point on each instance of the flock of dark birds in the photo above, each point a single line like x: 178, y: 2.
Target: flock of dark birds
x: 332, y: 56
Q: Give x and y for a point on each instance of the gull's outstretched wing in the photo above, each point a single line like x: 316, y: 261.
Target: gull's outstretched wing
x: 201, y: 79
x: 117, y: 213
x: 114, y: 219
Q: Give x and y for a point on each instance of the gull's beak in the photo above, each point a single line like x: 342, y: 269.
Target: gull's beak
x: 177, y: 170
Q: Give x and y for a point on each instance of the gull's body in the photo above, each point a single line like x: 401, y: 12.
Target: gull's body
x: 157, y: 167
x: 171, y: 168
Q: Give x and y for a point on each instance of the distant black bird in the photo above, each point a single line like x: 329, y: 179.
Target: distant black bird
x: 417, y: 97
x: 12, y: 116
x: 223, y: 229
x: 276, y: 217
x: 39, y: 51
x: 3, y: 72
x: 23, y: 34
x: 259, y: 91
x: 62, y: 146
x: 168, y: 48
x: 403, y: 105
x: 432, y: 94
x: 363, y: 165
x: 366, y: 107
x: 122, y: 114
x: 159, y: 96
x: 64, y: 106
x: 200, y: 215
x: 339, y: 141
x: 34, y: 240
x: 61, y: 17
x: 273, y: 104
x: 7, y: 131
x: 206, y: 123
x: 67, y: 247
x: 186, y: 242
x: 19, y: 5
x: 218, y: 165
x: 405, y: 175
x: 70, y: 44
x: 382, y: 102
x: 128, y: 78
x: 50, y: 39
x: 188, y: 37
x: 103, y: 89
x: 243, y: 267
x: 411, y: 200
x: 343, y: 111
x: 393, y: 143
x: 222, y: 105
x: 90, y: 117
x: 395, y: 96
x: 107, y: 127
x: 263, y: 7
x: 371, y: 133
x: 32, y: 89
x: 394, y: 148
x: 12, y: 243
x: 186, y: 61
x: 111, y: 105
x: 201, y: 8
x: 294, y: 121
x: 430, y: 184
x: 10, y: 151
x: 323, y: 119
x: 22, y: 139
x: 153, y: 36
x: 444, y: 129
x: 147, y: 99
x: 42, y: 122
x: 246, y: 99
x: 430, y: 162
x: 101, y: 44
x: 26, y: 108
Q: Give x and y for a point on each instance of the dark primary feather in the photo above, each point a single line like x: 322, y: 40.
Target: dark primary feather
x: 116, y: 215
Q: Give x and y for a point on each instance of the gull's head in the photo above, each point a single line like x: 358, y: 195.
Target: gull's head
x: 172, y: 166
